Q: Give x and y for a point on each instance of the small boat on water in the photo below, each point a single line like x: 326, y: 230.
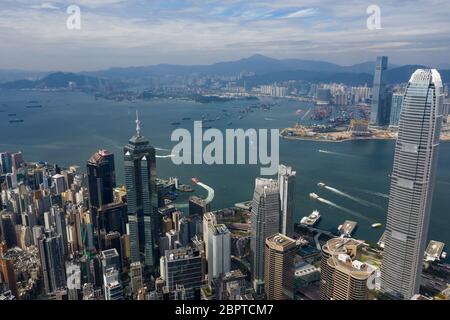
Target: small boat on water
x: 186, y: 118
x: 12, y: 114
x: 230, y: 123
x: 313, y: 196
x: 376, y: 225
x: 321, y: 184
x: 312, y: 219
x: 16, y: 121
x: 175, y: 123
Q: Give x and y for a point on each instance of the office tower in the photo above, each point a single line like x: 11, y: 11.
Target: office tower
x: 412, y: 182
x: 265, y: 221
x: 343, y: 276
x: 52, y: 262
x: 112, y: 285
x: 8, y: 229
x: 112, y: 217
x: 219, y: 253
x: 5, y: 162
x: 380, y: 104
x: 101, y: 180
x: 110, y: 259
x: 279, y: 267
x: 183, y: 231
x: 59, y: 217
x: 17, y: 161
x: 198, y: 206
x: 136, y: 277
x: 396, y: 107
x: 183, y: 267
x: 230, y: 286
x: 59, y: 184
x: 8, y: 275
x: 286, y: 182
x: 209, y: 218
x: 167, y: 224
x: 142, y: 197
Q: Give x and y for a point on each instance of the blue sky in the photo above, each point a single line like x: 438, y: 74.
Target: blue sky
x: 33, y: 33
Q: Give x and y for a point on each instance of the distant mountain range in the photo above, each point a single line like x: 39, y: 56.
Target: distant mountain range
x: 257, y: 64
x: 265, y: 70
x: 58, y: 80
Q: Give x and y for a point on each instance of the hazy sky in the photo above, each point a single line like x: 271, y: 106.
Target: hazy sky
x: 34, y: 36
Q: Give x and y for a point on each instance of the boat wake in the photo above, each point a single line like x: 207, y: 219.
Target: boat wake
x: 358, y: 200
x: 210, y: 190
x: 166, y: 156
x: 337, y: 153
x: 332, y: 204
x: 373, y: 193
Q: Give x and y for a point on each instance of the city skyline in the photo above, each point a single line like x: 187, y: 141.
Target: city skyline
x: 343, y: 214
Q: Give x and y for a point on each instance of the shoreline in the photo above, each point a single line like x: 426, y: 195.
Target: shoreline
x: 344, y: 140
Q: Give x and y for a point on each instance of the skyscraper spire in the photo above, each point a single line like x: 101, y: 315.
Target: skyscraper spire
x: 138, y: 124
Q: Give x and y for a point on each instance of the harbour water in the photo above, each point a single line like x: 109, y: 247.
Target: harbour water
x: 71, y: 126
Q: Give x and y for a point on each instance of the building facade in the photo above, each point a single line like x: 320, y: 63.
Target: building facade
x: 412, y: 182
x: 265, y: 221
x: 279, y: 267
x: 380, y: 101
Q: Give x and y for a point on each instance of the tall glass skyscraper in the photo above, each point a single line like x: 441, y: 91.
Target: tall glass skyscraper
x: 381, y: 103
x: 265, y: 221
x: 142, y: 197
x: 396, y: 106
x: 412, y: 181
x: 286, y: 182
x: 101, y: 181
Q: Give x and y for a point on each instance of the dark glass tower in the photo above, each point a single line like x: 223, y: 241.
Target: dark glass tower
x: 142, y: 197
x: 101, y: 180
x: 381, y: 100
x: 52, y: 262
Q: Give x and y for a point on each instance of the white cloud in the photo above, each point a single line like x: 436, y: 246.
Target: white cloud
x: 44, y: 5
x: 303, y: 13
x: 116, y: 36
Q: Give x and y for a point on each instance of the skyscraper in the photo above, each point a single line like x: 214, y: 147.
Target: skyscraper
x: 101, y: 181
x: 286, y: 182
x: 219, y: 250
x: 112, y: 285
x: 380, y: 101
x: 142, y: 196
x: 279, y: 267
x: 396, y: 107
x: 8, y: 275
x: 52, y: 262
x: 182, y: 267
x: 343, y: 276
x: 265, y: 221
x: 412, y: 182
